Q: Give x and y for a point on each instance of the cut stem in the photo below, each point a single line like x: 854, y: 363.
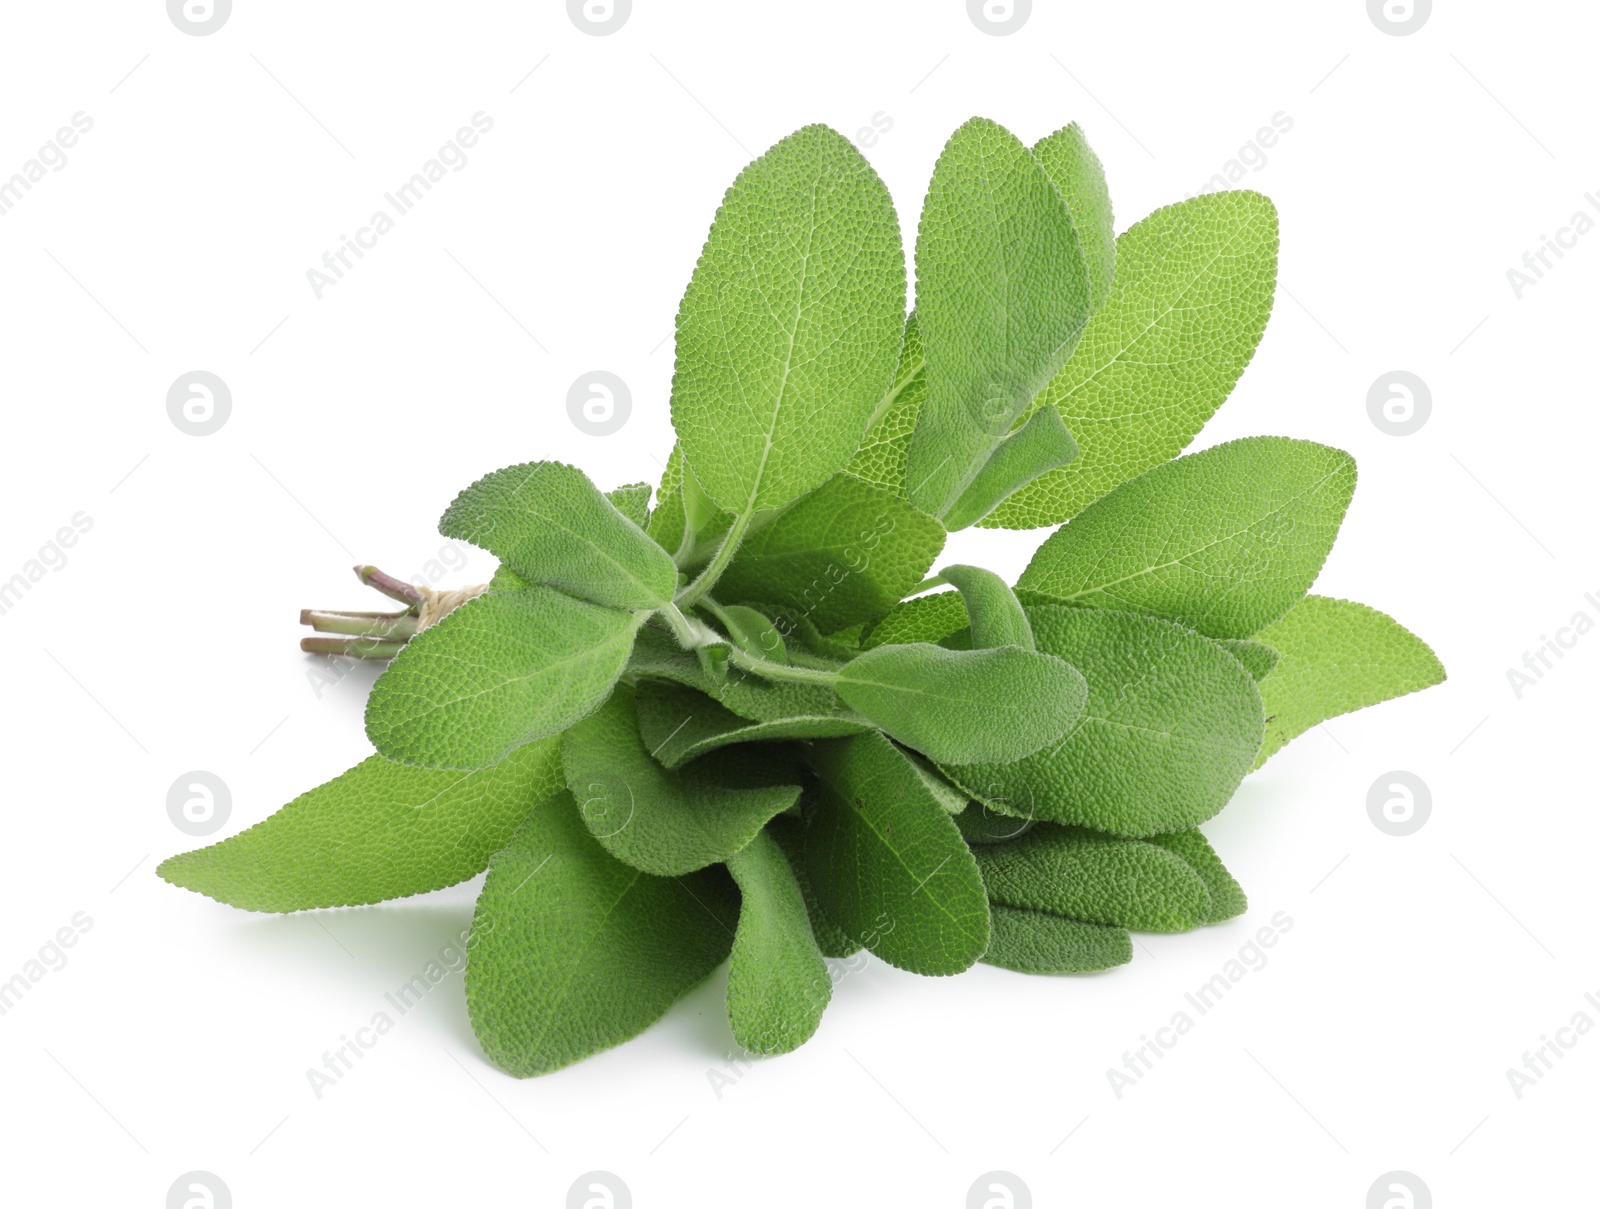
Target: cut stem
x: 399, y: 626
x: 352, y: 648
x: 395, y: 589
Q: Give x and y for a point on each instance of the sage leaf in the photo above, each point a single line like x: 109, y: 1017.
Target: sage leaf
x: 1037, y: 942
x: 881, y: 458
x: 1193, y: 849
x: 1040, y: 445
x: 1258, y: 658
x: 679, y: 724
x: 932, y: 618
x: 633, y: 501
x: 657, y: 656
x: 754, y: 634
x: 996, y: 616
x: 789, y: 833
x: 1075, y: 170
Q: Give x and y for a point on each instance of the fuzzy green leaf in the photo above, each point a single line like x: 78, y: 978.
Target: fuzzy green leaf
x: 500, y: 671
x: 997, y: 617
x: 754, y: 634
x: 881, y: 459
x: 961, y: 707
x: 1224, y: 541
x: 1002, y: 297
x: 1075, y: 170
x: 778, y: 984
x: 790, y: 330
x: 1097, y: 878
x: 379, y: 831
x: 572, y: 952
x: 887, y: 861
x: 657, y: 656
x: 845, y: 553
x: 790, y: 834
x: 679, y: 724
x: 1037, y: 942
x: 921, y: 619
x: 1258, y: 658
x: 633, y: 501
x: 1227, y: 896
x: 662, y: 822
x: 552, y: 526
x: 1193, y: 289
x: 981, y: 825
x: 1040, y: 445
x: 1171, y: 726
x: 1337, y: 656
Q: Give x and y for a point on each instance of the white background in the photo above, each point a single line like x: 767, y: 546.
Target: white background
x: 178, y: 236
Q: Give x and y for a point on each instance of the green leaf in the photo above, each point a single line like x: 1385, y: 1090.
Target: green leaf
x: 1193, y: 849
x: 1224, y: 541
x: 754, y: 634
x: 1171, y: 726
x: 845, y: 553
x: 778, y: 984
x: 552, y: 526
x: 1258, y: 658
x: 665, y: 823
x: 572, y: 952
x: 887, y: 861
x: 881, y: 459
x: 656, y: 655
x: 1002, y: 297
x: 790, y: 834
x: 961, y: 707
x: 500, y: 671
x: 920, y: 619
x: 981, y: 825
x: 1096, y: 878
x: 997, y: 617
x: 1037, y: 942
x: 790, y: 330
x: 1074, y: 169
x: 1193, y: 289
x: 633, y: 501
x: 1040, y: 445
x: 679, y: 724
x: 379, y: 831
x: 1337, y: 656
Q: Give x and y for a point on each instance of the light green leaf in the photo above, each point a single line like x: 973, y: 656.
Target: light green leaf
x: 921, y: 619
x: 1075, y: 170
x: 778, y: 984
x: 1337, y: 656
x: 1096, y: 878
x: 887, y: 861
x: 665, y: 823
x: 633, y: 501
x: 1258, y: 658
x: 1036, y: 942
x: 1002, y: 297
x: 845, y: 553
x: 979, y: 824
x: 657, y: 656
x: 1224, y: 541
x: 790, y: 835
x: 754, y: 634
x: 679, y: 724
x: 500, y: 671
x: 881, y: 459
x: 572, y: 952
x: 1193, y: 289
x: 1171, y: 726
x: 961, y: 707
x: 790, y: 330
x: 379, y: 831
x: 552, y: 526
x: 1227, y: 896
x: 1040, y: 445
x: 997, y: 617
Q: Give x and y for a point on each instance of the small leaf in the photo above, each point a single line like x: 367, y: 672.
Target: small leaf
x: 379, y: 831
x: 1227, y: 896
x: 887, y: 861
x: 960, y: 707
x: 1191, y: 296
x: 1169, y: 729
x: 1258, y: 658
x: 790, y: 835
x: 845, y: 553
x: 552, y: 526
x: 981, y: 825
x: 997, y: 617
x: 633, y: 501
x: 1076, y: 173
x: 658, y: 656
x: 790, y: 330
x: 679, y: 724
x: 1096, y: 878
x: 881, y: 459
x: 500, y: 671
x: 1036, y: 942
x: 1040, y: 445
x: 1337, y: 656
x: 754, y: 634
x: 920, y: 619
x: 572, y: 952
x: 778, y: 984
x: 1224, y: 541
x: 662, y: 822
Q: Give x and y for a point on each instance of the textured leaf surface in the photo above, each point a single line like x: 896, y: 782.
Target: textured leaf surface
x: 981, y: 825
x: 500, y: 671
x: 754, y: 633
x: 1337, y: 656
x: 678, y: 724
x: 1040, y: 445
x: 1075, y: 170
x: 633, y: 501
x: 379, y: 831
x: 881, y: 459
x: 1258, y: 658
x: 778, y: 984
x: 790, y: 330
x: 658, y: 656
x: 1171, y: 726
x: 790, y: 835
x: 1096, y: 878
x: 662, y: 822
x: 960, y: 707
x: 1036, y: 942
x: 1002, y: 296
x: 929, y: 618
x: 887, y: 861
x: 1227, y: 896
x: 997, y: 618
x: 551, y: 525
x: 572, y: 952
x: 846, y: 553
x: 1191, y: 296
x: 1224, y: 541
